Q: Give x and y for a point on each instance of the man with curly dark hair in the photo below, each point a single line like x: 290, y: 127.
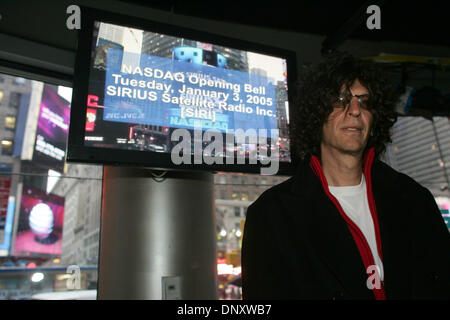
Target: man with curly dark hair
x: 346, y: 226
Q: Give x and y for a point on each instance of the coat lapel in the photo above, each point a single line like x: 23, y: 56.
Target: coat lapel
x: 327, y: 234
x: 391, y: 202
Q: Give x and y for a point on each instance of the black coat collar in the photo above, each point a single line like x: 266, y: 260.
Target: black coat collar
x: 330, y: 237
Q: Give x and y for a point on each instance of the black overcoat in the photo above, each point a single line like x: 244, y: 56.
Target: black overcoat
x: 296, y: 245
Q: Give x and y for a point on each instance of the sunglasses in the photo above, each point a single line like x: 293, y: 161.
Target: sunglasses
x: 346, y: 97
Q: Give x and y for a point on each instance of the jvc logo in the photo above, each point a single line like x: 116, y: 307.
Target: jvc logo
x: 129, y: 116
x: 113, y: 116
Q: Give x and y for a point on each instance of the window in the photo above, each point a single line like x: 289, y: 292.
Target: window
x: 10, y: 122
x: 237, y: 212
x: 7, y: 147
x: 14, y: 99
x: 244, y: 196
x: 19, y: 81
x: 44, y: 186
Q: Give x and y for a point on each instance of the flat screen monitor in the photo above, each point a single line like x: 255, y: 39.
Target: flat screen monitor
x: 167, y: 97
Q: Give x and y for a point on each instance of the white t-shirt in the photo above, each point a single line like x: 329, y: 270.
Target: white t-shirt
x: 354, y: 202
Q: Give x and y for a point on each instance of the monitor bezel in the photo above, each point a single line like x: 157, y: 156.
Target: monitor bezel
x: 77, y: 152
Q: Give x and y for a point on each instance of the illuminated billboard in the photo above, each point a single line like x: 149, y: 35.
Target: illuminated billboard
x: 40, y: 226
x: 6, y: 215
x: 52, y: 130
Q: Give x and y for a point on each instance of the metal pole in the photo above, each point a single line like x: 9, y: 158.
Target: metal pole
x: 158, y: 237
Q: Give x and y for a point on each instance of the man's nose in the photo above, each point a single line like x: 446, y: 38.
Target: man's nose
x: 354, y: 108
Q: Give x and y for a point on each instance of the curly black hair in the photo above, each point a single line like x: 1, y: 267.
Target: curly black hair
x: 320, y: 86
